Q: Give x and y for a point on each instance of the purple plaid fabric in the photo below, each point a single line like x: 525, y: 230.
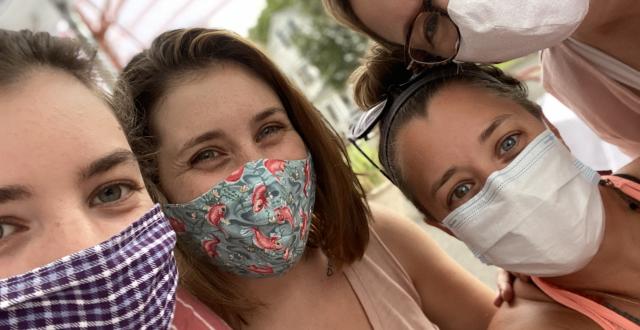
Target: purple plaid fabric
x: 127, y: 282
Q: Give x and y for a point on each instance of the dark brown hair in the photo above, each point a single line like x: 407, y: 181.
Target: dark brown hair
x: 488, y: 77
x: 340, y: 223
x: 22, y: 52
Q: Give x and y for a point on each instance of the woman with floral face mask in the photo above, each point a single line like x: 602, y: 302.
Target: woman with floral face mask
x: 81, y: 243
x: 477, y: 158
x: 591, y: 57
x: 262, y: 197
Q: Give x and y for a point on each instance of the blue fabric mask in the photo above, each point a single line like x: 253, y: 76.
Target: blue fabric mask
x: 254, y: 223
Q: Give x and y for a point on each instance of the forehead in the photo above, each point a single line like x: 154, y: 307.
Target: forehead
x: 388, y: 19
x: 456, y: 116
x: 49, y: 121
x: 219, y: 97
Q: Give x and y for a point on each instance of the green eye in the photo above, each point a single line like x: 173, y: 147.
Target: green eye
x: 267, y: 131
x: 205, y: 155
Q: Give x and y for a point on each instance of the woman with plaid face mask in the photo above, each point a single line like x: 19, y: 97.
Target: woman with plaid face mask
x: 81, y: 243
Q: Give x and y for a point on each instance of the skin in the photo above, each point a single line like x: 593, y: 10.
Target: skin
x: 390, y: 20
x: 459, y: 114
x: 226, y: 99
x: 80, y: 183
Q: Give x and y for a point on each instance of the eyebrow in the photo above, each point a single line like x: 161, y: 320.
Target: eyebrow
x: 443, y: 179
x: 106, y: 163
x: 206, y: 136
x: 266, y: 114
x: 492, y: 127
x: 216, y: 134
x: 14, y: 193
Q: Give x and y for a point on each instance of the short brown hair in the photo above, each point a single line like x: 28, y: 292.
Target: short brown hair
x: 340, y: 223
x: 22, y: 52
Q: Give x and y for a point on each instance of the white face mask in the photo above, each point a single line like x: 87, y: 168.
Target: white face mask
x: 541, y: 215
x: 496, y: 31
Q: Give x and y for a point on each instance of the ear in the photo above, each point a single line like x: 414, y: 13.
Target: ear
x: 439, y: 225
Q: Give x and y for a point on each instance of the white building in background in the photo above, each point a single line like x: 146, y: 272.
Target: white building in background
x: 334, y: 105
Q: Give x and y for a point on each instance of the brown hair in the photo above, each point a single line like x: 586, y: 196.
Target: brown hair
x: 22, y: 52
x: 343, y: 12
x: 487, y: 77
x: 340, y: 223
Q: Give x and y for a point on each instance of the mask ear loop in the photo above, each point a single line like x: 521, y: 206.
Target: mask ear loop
x: 369, y: 159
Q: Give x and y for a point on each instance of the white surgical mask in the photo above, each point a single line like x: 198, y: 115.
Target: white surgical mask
x: 541, y: 215
x: 499, y: 30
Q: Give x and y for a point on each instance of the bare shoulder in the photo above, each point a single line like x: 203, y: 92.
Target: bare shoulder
x: 532, y: 309
x: 633, y: 168
x: 401, y: 235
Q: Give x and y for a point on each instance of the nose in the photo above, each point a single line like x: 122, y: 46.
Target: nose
x: 71, y: 229
x: 485, y: 168
x: 248, y: 153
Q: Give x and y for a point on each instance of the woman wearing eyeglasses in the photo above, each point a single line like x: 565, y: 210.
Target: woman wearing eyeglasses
x: 468, y: 148
x: 591, y: 57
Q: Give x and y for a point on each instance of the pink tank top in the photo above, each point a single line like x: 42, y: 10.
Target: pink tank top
x: 609, y: 107
x: 604, y: 317
x: 385, y: 290
x: 191, y: 314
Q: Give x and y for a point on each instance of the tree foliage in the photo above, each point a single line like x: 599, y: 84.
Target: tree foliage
x: 330, y: 47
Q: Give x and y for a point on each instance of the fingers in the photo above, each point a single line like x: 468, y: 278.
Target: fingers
x: 505, y: 286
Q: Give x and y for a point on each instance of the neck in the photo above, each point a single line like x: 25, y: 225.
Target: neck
x: 615, y: 269
x: 312, y: 266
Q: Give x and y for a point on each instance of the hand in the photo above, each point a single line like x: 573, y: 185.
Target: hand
x: 505, y: 286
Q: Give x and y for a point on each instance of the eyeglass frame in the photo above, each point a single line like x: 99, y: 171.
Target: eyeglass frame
x: 427, y: 6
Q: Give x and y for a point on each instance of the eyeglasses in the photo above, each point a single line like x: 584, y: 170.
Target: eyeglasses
x: 432, y: 37
x: 397, y: 96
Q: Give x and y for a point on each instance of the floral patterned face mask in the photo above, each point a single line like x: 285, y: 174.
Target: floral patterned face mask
x: 254, y: 223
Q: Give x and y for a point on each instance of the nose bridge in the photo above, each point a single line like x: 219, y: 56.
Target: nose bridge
x: 484, y: 166
x: 72, y: 227
x: 249, y: 151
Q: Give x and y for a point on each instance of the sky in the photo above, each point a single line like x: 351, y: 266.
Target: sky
x: 238, y: 15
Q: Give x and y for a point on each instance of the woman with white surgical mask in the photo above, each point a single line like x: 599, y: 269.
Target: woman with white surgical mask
x: 465, y: 145
x: 591, y: 57
x: 82, y: 246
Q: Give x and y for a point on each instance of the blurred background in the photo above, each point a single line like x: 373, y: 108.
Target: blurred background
x: 311, y: 49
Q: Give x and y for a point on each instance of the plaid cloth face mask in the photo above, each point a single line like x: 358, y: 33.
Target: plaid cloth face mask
x: 127, y: 282
x: 256, y: 222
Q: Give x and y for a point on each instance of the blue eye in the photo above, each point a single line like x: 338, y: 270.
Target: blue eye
x: 111, y: 194
x: 507, y: 144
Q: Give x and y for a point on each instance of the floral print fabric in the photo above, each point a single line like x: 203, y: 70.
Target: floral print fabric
x: 255, y: 222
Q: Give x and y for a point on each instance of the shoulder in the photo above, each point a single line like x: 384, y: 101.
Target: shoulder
x: 191, y: 314
x: 633, y: 168
x: 404, y: 238
x: 532, y: 309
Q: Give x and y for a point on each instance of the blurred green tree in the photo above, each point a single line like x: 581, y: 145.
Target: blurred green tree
x: 332, y: 48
